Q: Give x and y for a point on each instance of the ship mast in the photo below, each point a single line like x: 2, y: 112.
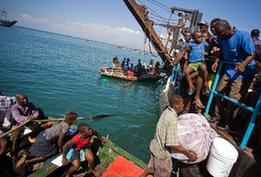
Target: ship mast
x: 141, y: 15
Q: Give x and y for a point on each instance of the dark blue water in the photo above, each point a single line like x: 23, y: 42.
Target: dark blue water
x: 60, y: 74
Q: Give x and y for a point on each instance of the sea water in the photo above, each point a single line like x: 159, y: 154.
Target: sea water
x: 60, y: 73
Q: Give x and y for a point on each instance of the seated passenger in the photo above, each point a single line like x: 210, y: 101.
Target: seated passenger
x: 6, y: 163
x: 138, y: 68
x: 130, y: 73
x: 23, y: 110
x: 81, y: 149
x: 20, y: 113
x: 49, y: 142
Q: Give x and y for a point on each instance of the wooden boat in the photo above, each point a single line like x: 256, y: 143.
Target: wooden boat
x: 118, y: 73
x: 112, y: 160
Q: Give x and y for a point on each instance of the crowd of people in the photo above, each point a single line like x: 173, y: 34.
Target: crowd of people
x: 199, y: 57
x: 19, y: 152
x: 138, y: 70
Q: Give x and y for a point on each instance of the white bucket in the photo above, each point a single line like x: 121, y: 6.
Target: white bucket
x: 222, y: 157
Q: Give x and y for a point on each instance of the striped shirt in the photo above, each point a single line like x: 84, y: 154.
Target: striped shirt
x: 165, y: 134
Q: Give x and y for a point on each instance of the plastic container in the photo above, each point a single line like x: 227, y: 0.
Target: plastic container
x: 222, y: 157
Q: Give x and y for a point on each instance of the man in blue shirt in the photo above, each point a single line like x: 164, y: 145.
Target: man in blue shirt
x: 238, y: 49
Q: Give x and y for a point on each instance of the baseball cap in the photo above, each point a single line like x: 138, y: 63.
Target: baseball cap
x: 203, y: 23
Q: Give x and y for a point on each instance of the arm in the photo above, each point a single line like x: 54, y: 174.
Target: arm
x: 35, y: 111
x: 190, y: 154
x: 17, y: 115
x: 65, y: 149
x: 247, y: 45
x: 242, y: 66
x: 102, y: 138
x: 181, y: 55
x: 60, y: 142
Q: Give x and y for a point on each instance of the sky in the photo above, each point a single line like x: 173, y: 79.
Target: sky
x: 110, y: 21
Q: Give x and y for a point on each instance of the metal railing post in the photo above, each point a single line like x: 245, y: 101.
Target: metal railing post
x: 214, y: 86
x: 251, y: 124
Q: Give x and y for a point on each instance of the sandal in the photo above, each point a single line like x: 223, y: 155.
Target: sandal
x: 199, y: 104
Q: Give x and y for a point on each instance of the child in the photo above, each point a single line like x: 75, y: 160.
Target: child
x: 82, y: 143
x: 49, y: 142
x: 196, y: 58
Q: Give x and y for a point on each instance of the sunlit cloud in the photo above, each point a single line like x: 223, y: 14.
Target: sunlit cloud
x: 95, y: 31
x: 32, y: 19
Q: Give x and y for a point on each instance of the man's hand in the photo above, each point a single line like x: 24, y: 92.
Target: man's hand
x: 192, y: 156
x: 240, y: 67
x: 105, y: 139
x: 214, y: 66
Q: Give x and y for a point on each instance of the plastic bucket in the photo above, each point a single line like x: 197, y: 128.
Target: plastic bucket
x: 222, y: 157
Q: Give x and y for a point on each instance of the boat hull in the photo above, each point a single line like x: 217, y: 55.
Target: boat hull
x: 106, y: 154
x: 7, y: 23
x: 118, y: 74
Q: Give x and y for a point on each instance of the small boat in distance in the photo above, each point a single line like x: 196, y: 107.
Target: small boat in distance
x: 4, y: 21
x: 118, y: 73
x: 120, y: 46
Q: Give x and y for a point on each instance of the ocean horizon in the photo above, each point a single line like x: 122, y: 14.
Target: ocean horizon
x: 59, y: 73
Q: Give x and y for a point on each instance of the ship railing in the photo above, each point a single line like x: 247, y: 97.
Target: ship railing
x: 254, y: 110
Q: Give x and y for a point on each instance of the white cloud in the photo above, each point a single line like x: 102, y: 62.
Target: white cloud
x: 29, y: 18
x: 101, y: 32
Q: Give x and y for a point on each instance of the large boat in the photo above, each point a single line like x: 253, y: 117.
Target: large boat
x: 4, y: 21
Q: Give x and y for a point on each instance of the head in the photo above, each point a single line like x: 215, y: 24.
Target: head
x: 255, y: 33
x: 85, y: 130
x: 22, y: 99
x: 197, y: 36
x: 223, y: 29
x: 187, y: 36
x: 213, y: 24
x: 205, y: 36
x: 176, y: 102
x: 70, y: 117
x: 203, y: 26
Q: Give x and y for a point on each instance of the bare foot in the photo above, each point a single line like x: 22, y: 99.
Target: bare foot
x: 199, y: 104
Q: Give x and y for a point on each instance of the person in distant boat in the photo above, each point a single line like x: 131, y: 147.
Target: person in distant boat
x: 123, y: 63
x: 130, y: 72
x: 165, y: 140
x: 157, y: 68
x: 81, y: 151
x: 126, y: 66
x: 143, y: 70
x: 138, y: 68
x: 151, y: 65
x: 48, y: 142
x: 115, y: 62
